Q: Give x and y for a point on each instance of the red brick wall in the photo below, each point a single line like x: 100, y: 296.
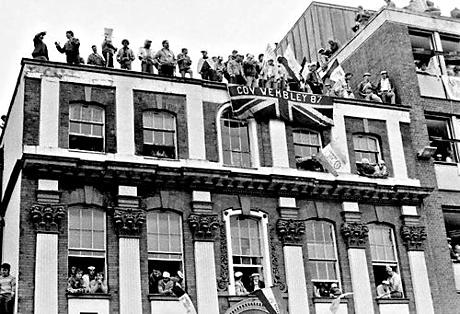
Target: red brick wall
x: 389, y: 48
x: 32, y: 92
x: 105, y: 96
x: 210, y: 130
x: 265, y: 148
x: 175, y: 104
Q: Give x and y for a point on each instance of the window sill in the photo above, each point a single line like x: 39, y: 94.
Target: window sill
x: 159, y: 158
x: 445, y: 163
x: 328, y: 300
x: 160, y: 297
x: 107, y: 296
x: 392, y: 301
x: 75, y: 150
x: 238, y: 167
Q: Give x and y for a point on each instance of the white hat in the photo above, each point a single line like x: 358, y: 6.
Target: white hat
x: 180, y: 274
x: 91, y: 267
x: 238, y: 274
x: 255, y: 274
x: 385, y: 282
x: 166, y: 274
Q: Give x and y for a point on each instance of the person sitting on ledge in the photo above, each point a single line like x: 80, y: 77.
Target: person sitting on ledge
x: 335, y: 291
x: 385, y: 89
x: 98, y: 285
x: 383, y: 290
x: 75, y: 283
x: 367, y: 89
x: 165, y: 285
x: 379, y: 170
x: 240, y: 289
x: 395, y: 283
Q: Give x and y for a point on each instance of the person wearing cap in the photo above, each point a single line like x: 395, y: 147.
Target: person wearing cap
x: 95, y: 58
x: 125, y: 55
x: 166, y: 60
x: 108, y: 50
x: 40, y: 50
x: 219, y: 69
x: 240, y: 289
x: 367, y: 90
x: 334, y: 291
x: 383, y: 290
x: 394, y: 280
x: 165, y: 285
x: 385, y: 88
x: 70, y: 48
x: 328, y: 90
x: 146, y: 56
x: 313, y: 80
x: 184, y: 62
x: 205, y: 66
x: 255, y: 282
x: 343, y: 87
x: 87, y: 278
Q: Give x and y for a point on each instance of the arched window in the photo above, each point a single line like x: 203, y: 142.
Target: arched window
x: 86, y: 127
x: 87, y: 234
x: 234, y: 140
x: 159, y: 129
x: 366, y: 146
x: 164, y: 243
x: 322, y: 256
x: 383, y: 251
x: 247, y: 244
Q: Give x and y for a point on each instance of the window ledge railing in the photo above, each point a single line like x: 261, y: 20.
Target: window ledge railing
x: 107, y: 296
x: 160, y: 297
x: 393, y: 301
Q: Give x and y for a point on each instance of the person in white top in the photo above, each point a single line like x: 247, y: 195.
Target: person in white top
x: 385, y: 89
x: 146, y: 56
x: 394, y: 279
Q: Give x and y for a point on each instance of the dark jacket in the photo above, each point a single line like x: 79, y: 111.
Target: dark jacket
x: 71, y: 49
x: 40, y: 47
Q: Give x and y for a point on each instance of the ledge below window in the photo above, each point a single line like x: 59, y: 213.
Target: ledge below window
x: 392, y: 301
x: 328, y: 300
x: 107, y: 296
x: 159, y: 297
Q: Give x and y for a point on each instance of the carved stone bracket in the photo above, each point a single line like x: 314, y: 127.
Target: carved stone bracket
x: 277, y: 279
x: 413, y: 237
x: 355, y: 234
x: 47, y: 217
x: 290, y: 231
x: 203, y: 226
x: 128, y: 221
x: 222, y: 280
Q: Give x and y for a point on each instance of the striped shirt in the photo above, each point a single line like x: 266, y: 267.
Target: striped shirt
x: 7, y: 285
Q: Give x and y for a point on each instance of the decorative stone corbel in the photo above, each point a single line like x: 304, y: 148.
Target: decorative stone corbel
x: 290, y: 231
x: 203, y: 226
x: 355, y: 234
x: 128, y: 221
x: 47, y: 218
x: 413, y: 237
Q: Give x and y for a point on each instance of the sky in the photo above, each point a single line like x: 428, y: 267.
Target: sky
x: 216, y: 25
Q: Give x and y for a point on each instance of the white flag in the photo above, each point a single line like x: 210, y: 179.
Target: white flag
x: 292, y: 61
x: 331, y: 160
x: 338, y: 74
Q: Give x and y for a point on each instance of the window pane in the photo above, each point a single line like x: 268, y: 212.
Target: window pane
x: 75, y: 112
x: 86, y: 113
x: 98, y: 220
x: 158, y: 138
x: 74, y: 218
x: 98, y: 240
x: 169, y: 122
x: 86, y: 218
x: 158, y: 121
x: 164, y: 242
x: 176, y: 243
x: 74, y: 238
x: 169, y: 139
x: 147, y: 119
x: 86, y: 129
x: 86, y: 239
x: 97, y: 115
x: 74, y: 127
x: 97, y: 130
x: 148, y: 137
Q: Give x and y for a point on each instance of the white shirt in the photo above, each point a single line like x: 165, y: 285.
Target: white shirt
x: 385, y: 85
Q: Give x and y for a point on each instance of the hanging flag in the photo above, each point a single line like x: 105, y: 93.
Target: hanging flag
x: 184, y: 298
x: 268, y: 103
x: 331, y: 160
x: 292, y: 61
x: 270, y: 298
x: 108, y: 32
x: 336, y: 303
x: 270, y: 53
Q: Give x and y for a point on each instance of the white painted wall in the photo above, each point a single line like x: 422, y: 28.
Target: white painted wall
x: 456, y: 267
x: 278, y: 143
x: 125, y: 117
x: 99, y: 306
x: 195, y: 123
x: 10, y: 248
x: 167, y: 307
x: 130, y: 276
x: 395, y: 309
x: 46, y: 269
x: 206, y: 286
x: 295, y: 280
x: 323, y: 308
x: 448, y: 176
x: 362, y: 295
x: 420, y: 283
x: 12, y: 136
x: 49, y: 112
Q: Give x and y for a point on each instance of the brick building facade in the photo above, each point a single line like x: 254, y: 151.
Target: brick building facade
x: 131, y: 172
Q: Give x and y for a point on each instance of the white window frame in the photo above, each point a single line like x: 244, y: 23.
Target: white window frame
x: 252, y: 135
x: 337, y: 268
x: 379, y: 152
x: 160, y: 130
x: 453, y: 128
x: 263, y: 225
x: 86, y: 249
x: 102, y: 124
x: 394, y: 263
x: 181, y: 260
x: 300, y: 130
